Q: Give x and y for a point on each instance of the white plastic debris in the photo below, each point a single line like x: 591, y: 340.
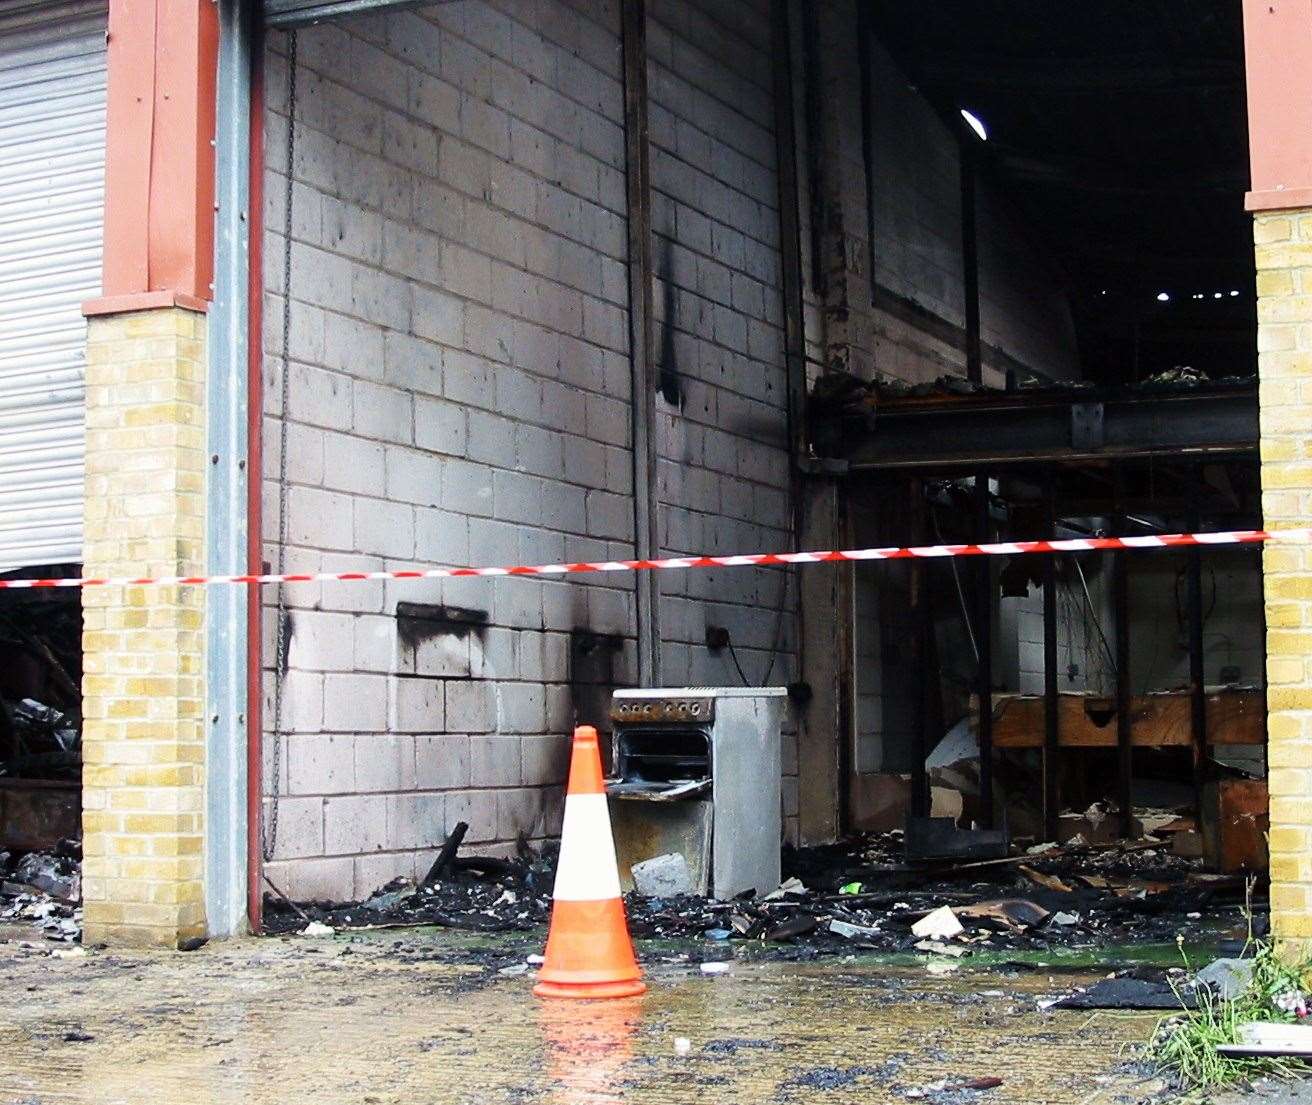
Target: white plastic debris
x: 793, y: 886
x: 317, y: 928
x: 1064, y: 918
x: 717, y: 968
x: 1266, y: 1038
x: 535, y: 960
x: 514, y: 970
x: 75, y: 952
x: 682, y: 1045
x: 954, y: 951
x: 850, y: 931
x: 941, y: 924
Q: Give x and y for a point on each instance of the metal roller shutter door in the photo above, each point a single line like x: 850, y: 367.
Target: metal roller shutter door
x: 52, y: 163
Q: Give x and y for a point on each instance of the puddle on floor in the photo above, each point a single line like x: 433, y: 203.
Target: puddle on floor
x: 410, y: 1016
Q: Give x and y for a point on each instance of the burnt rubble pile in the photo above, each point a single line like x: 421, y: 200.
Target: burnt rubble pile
x: 858, y: 895
x: 45, y: 889
x: 476, y: 893
x: 40, y: 699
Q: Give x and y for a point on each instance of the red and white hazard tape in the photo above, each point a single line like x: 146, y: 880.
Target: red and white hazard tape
x: 1000, y: 548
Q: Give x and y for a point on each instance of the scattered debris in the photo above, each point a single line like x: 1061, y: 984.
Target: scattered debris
x: 953, y: 951
x: 1227, y: 979
x: 46, y: 889
x: 859, y: 894
x: 447, y: 854
x: 716, y: 968
x: 789, y: 929
x: 663, y: 876
x: 1010, y: 913
x: 793, y: 886
x: 852, y: 932
x: 1141, y: 988
x: 682, y: 1045
x: 1051, y: 882
x: 941, y: 924
x: 951, y: 1086
x: 1267, y: 1038
x: 317, y: 928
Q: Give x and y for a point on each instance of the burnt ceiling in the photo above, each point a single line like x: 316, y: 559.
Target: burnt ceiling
x: 1117, y: 128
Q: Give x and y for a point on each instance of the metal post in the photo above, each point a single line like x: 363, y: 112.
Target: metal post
x: 226, y: 415
x: 638, y: 172
x: 984, y: 643
x: 1124, y: 720
x: 922, y: 629
x: 1051, y: 701
x: 1197, y: 688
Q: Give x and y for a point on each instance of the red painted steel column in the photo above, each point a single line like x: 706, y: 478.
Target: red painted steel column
x: 159, y: 162
x: 1278, y: 66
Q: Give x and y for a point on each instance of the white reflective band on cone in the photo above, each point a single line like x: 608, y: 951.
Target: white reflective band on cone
x: 587, y: 871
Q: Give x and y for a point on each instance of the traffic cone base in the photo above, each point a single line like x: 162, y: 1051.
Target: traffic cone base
x: 589, y: 953
x: 593, y: 991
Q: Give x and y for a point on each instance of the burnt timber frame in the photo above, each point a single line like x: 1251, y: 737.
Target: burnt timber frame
x: 1014, y: 433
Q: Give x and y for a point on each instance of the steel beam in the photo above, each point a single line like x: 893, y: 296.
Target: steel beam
x: 299, y: 13
x: 1037, y: 428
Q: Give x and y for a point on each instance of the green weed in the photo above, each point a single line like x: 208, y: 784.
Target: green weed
x: 1185, y: 1044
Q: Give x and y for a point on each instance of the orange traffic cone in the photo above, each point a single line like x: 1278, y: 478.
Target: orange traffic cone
x: 589, y: 953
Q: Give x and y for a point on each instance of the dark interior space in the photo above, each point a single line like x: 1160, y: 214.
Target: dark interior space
x: 1118, y: 129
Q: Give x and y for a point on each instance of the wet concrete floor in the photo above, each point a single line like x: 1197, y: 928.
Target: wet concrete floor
x: 414, y: 1016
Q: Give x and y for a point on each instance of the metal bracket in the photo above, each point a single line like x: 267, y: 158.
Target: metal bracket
x: 1086, y: 426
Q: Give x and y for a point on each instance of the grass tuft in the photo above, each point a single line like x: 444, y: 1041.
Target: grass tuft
x: 1185, y: 1044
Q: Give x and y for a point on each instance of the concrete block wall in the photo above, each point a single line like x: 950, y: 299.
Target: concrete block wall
x: 723, y: 470
x: 1024, y: 309
x: 458, y: 392
x: 917, y: 251
x: 1159, y: 653
x: 1083, y: 663
x: 916, y: 254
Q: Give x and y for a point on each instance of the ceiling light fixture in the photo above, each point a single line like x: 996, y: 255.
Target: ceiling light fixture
x: 973, y: 121
x: 1163, y: 297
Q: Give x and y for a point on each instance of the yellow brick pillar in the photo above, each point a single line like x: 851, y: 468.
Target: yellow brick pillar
x: 1284, y: 342
x: 143, y: 741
